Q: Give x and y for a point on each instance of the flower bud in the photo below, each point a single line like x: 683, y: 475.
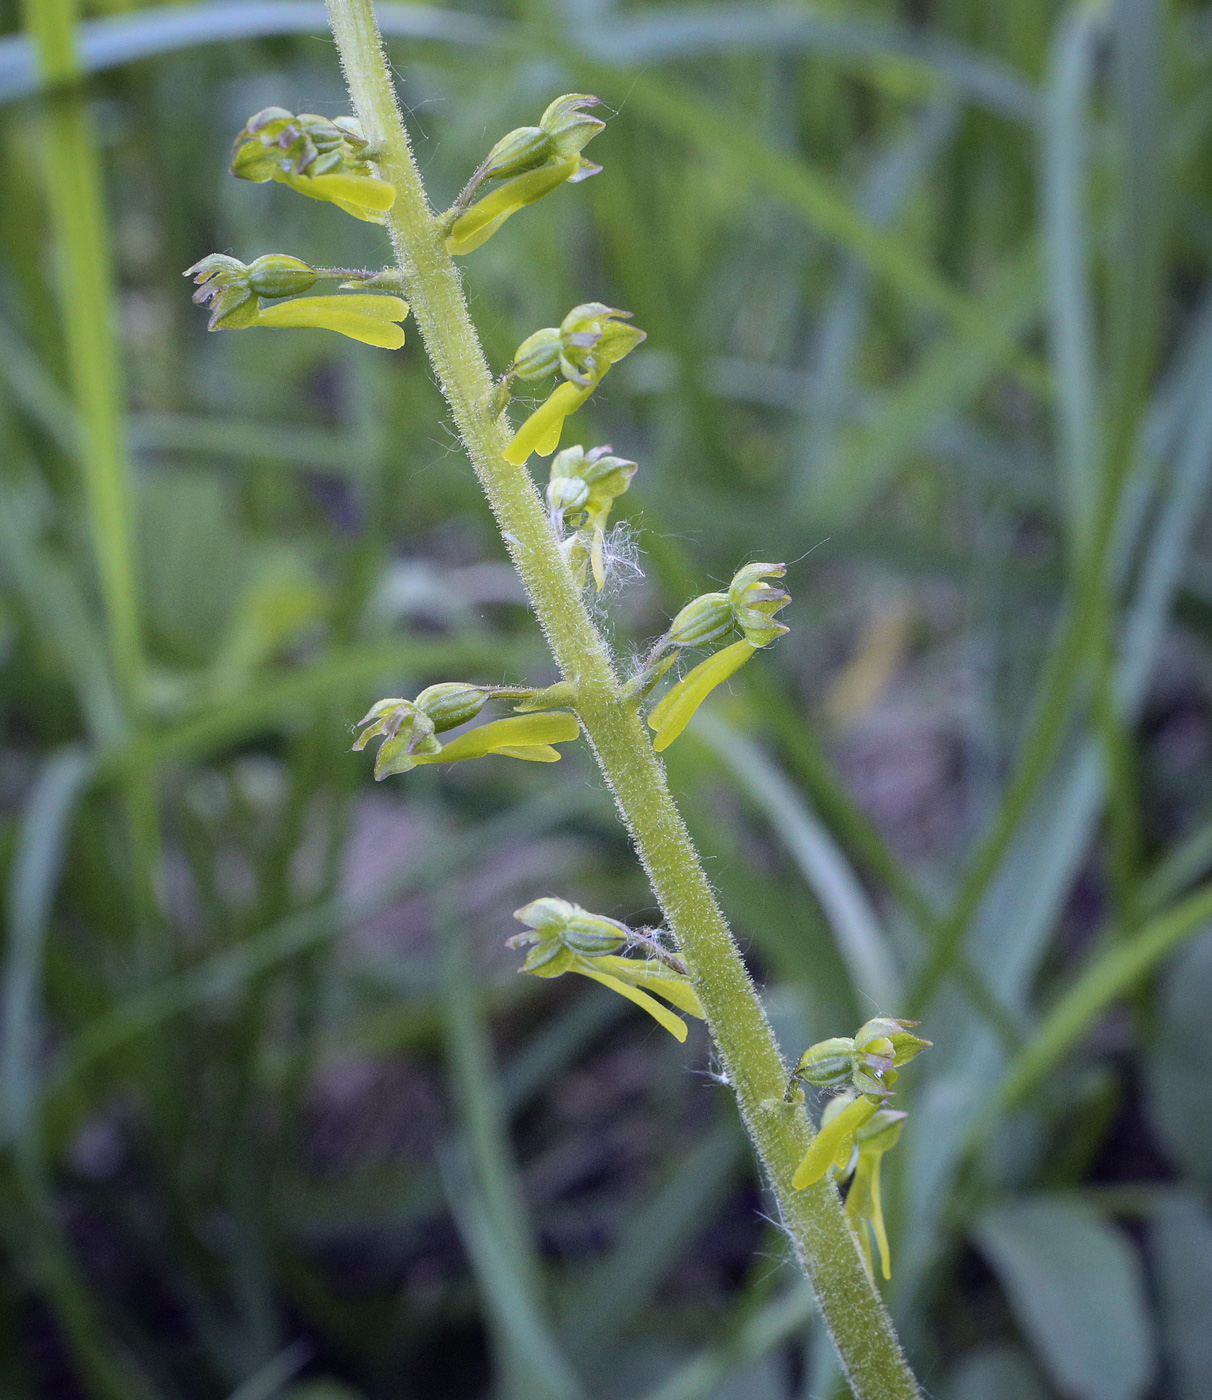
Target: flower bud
x: 450, y: 704
x: 320, y: 157
x: 894, y: 1039
x: 701, y: 621
x: 568, y: 127
x: 547, y: 916
x: 522, y: 149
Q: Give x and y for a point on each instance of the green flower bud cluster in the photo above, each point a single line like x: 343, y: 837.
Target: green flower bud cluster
x: 409, y: 728
x: 235, y: 292
x: 582, y: 348
x: 581, y: 490
x: 857, y: 1127
x: 531, y: 161
x: 867, y: 1062
x: 321, y: 158
x: 747, y: 607
x: 563, y: 937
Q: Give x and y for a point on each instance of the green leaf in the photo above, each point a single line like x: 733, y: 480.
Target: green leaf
x: 995, y: 1373
x: 1180, y: 1250
x: 1179, y: 1068
x: 677, y: 707
x: 519, y: 736
x: 1075, y: 1287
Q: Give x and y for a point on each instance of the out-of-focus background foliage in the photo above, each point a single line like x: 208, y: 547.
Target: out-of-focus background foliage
x: 926, y: 291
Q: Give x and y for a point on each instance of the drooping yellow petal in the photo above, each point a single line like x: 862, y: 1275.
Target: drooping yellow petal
x: 534, y: 733
x: 541, y: 431
x: 676, y: 709
x: 835, y: 1136
x: 673, y: 1024
x: 654, y: 976
x: 368, y: 317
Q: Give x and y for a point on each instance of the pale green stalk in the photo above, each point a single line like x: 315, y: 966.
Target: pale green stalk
x: 829, y: 1252
x: 78, y: 219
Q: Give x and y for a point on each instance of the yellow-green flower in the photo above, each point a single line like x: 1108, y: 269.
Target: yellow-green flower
x: 590, y: 339
x: 531, y: 161
x: 321, y: 158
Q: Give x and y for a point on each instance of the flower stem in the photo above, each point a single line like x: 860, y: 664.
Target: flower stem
x: 828, y: 1250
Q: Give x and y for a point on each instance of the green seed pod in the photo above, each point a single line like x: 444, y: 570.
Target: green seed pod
x: 827, y: 1064
x: 450, y: 704
x: 524, y: 148
x: 593, y: 935
x: 701, y: 621
x: 538, y: 355
x: 277, y: 275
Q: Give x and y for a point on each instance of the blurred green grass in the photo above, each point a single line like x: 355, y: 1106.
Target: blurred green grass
x: 925, y: 294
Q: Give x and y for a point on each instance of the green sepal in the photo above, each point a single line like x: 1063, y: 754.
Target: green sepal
x: 527, y: 737
x: 677, y: 707
x: 548, y: 958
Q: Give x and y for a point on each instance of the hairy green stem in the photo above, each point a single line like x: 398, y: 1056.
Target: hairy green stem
x: 860, y: 1326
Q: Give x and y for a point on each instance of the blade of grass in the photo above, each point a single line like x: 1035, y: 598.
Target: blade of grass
x: 856, y: 928
x: 510, y: 1304
x: 1112, y: 975
x: 78, y: 218
x: 607, y: 1300
x: 770, y: 1327
x: 950, y: 373
x: 836, y: 342
x: 729, y: 136
x: 225, y: 971
x: 1071, y: 321
x: 41, y: 849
